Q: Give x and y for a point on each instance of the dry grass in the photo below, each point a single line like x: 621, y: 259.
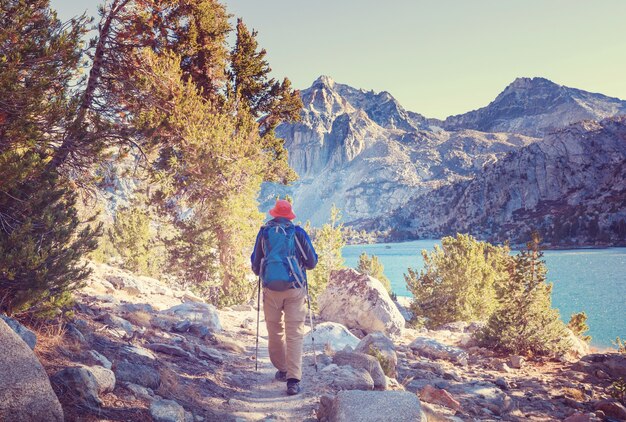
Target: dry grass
x: 173, y: 386
x: 574, y: 393
x: 50, y: 341
x: 139, y: 318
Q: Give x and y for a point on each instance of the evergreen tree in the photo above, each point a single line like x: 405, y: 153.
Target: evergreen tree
x: 374, y: 268
x: 525, y: 323
x: 460, y: 280
x: 41, y: 245
x: 578, y: 324
x: 265, y: 98
x: 39, y: 56
x: 328, y: 242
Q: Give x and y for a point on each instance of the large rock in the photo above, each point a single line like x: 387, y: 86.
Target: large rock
x: 105, y: 378
x: 613, y: 364
x: 27, y: 335
x: 349, y: 378
x: 367, y: 362
x: 371, y: 406
x: 163, y: 410
x: 137, y: 373
x: 360, y: 301
x: 381, y: 344
x: 612, y: 408
x: 169, y: 349
x: 431, y: 348
x: 198, y: 313
x: 79, y: 384
x: 25, y: 391
x: 333, y: 334
x: 115, y: 322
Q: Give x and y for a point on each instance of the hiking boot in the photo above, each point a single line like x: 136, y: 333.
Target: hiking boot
x: 293, y: 387
x: 281, y: 376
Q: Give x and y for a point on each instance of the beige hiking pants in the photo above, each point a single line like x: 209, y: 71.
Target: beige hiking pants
x: 286, y: 355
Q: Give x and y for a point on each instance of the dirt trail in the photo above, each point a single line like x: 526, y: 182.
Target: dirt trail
x: 264, y: 398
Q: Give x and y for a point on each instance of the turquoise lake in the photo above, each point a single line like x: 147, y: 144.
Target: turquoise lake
x: 590, y: 280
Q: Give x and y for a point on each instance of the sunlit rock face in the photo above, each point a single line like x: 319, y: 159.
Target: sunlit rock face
x: 571, y: 186
x: 365, y: 153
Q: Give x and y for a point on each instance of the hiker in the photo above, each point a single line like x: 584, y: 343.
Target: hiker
x: 282, y: 254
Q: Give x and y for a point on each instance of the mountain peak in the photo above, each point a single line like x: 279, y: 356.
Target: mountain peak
x: 524, y: 83
x: 324, y: 80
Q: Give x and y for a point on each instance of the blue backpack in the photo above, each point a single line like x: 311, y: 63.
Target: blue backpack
x: 280, y: 267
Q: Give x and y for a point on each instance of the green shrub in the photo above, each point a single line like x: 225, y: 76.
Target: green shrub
x: 328, y: 243
x: 385, y: 364
x: 41, y: 241
x: 620, y: 344
x: 617, y: 390
x: 460, y: 280
x: 133, y: 240
x: 374, y: 268
x: 525, y: 322
x: 578, y: 324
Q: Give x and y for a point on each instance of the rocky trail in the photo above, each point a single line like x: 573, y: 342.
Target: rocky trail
x: 140, y: 350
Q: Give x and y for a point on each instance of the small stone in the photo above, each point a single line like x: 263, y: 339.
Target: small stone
x: 209, y: 353
x: 169, y: 349
x: 516, y: 361
x: 74, y: 334
x: 99, y: 359
x: 435, y: 395
x: 163, y: 410
x: 578, y: 417
x: 502, y: 383
x: 139, y: 391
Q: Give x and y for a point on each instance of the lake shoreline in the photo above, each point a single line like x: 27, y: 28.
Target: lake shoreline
x: 516, y: 246
x: 589, y: 279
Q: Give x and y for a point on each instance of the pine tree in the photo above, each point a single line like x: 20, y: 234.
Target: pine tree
x: 41, y: 243
x: 39, y: 57
x: 374, y: 268
x: 460, y: 280
x: 578, y: 324
x: 328, y: 242
x: 525, y: 323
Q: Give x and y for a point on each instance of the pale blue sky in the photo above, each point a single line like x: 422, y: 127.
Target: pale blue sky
x: 438, y: 57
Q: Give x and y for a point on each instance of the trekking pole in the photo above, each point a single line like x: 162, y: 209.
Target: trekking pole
x: 258, y: 316
x: 308, y: 301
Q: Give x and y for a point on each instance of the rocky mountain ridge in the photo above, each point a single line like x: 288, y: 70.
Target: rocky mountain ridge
x: 363, y: 152
x: 571, y: 187
x: 535, y: 107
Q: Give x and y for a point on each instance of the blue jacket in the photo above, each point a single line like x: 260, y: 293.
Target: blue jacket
x: 307, y: 262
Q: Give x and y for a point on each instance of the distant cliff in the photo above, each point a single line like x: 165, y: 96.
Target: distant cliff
x: 365, y: 153
x: 570, y: 186
x: 536, y: 106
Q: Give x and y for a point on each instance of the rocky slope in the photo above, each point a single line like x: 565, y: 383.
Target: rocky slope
x: 571, y: 186
x: 365, y: 153
x: 139, y: 349
x: 536, y: 106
